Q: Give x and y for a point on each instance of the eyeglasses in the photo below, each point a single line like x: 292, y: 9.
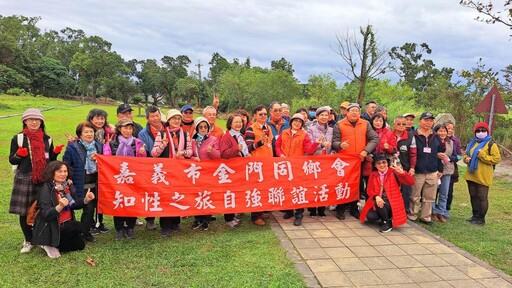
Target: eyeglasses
x: 400, y: 124
x: 33, y: 120
x: 262, y: 114
x: 202, y: 127
x: 277, y: 110
x: 481, y: 130
x: 381, y: 162
x: 188, y: 112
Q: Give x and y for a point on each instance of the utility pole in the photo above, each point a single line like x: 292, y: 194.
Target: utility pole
x: 199, y: 69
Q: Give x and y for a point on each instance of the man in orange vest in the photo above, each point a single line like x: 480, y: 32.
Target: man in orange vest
x: 353, y: 136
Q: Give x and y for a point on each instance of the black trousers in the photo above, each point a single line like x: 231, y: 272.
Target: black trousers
x: 168, y: 222
x: 383, y: 213
x: 479, y: 198
x: 70, y: 239
x: 25, y: 228
x: 120, y: 221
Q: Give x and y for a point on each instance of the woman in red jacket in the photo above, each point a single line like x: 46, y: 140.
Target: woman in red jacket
x: 384, y: 197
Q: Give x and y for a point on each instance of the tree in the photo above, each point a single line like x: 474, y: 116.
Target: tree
x: 322, y: 87
x: 218, y: 65
x: 365, y: 59
x: 50, y: 77
x: 491, y: 15
x: 414, y: 70
x: 94, y: 62
x: 149, y: 81
x: 188, y: 89
x: 10, y: 78
x: 282, y: 64
x: 120, y: 87
x: 174, y: 69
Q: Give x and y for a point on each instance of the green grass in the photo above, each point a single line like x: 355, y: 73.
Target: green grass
x: 249, y: 256
x: 492, y: 242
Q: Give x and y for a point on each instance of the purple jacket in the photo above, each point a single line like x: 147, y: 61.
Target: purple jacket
x: 315, y: 131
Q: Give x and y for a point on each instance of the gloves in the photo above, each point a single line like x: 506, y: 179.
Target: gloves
x: 22, y: 152
x: 57, y: 149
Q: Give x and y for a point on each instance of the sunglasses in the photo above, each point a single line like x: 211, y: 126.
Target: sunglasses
x: 382, y: 162
x: 400, y: 124
x: 481, y: 130
x: 277, y: 110
x: 188, y: 112
x: 262, y: 114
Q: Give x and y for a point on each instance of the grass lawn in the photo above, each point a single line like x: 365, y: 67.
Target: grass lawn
x: 249, y: 256
x: 492, y: 242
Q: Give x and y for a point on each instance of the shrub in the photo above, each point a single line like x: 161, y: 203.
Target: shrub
x: 16, y: 91
x: 137, y: 99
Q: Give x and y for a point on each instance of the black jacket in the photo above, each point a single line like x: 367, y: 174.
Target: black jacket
x: 428, y: 162
x: 46, y: 229
x: 25, y: 163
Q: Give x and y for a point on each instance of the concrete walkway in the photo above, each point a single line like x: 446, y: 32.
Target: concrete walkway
x: 333, y: 253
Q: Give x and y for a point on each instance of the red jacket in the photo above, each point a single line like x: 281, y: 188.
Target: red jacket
x: 392, y: 188
x: 385, y: 136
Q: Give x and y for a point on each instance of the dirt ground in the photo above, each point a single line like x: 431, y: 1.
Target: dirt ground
x: 504, y: 169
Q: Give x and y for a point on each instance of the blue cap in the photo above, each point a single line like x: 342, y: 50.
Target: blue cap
x: 186, y: 107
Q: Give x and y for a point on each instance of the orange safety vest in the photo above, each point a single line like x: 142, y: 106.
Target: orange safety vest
x: 263, y: 151
x: 293, y: 145
x: 356, y: 136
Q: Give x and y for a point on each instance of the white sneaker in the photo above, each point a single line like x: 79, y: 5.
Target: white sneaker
x: 237, y: 220
x: 27, y: 246
x: 232, y: 224
x: 52, y: 252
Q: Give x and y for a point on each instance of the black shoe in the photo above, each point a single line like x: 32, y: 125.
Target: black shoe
x: 321, y: 214
x: 204, y: 226
x: 166, y: 232
x: 340, y: 215
x: 473, y: 218
x: 313, y: 214
x: 429, y: 223
x: 175, y: 228
x: 103, y: 229
x: 89, y: 238
x: 288, y: 215
x: 385, y: 227
x: 196, y: 224
x: 120, y: 234
x: 355, y: 213
x: 298, y: 220
x: 130, y: 234
x: 478, y: 221
x: 213, y: 218
x: 94, y: 231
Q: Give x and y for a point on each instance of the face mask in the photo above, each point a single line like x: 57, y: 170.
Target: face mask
x: 312, y: 114
x: 481, y: 135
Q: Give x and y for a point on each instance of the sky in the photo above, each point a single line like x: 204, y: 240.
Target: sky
x: 303, y: 32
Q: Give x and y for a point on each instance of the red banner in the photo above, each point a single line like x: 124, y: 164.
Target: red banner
x: 154, y: 187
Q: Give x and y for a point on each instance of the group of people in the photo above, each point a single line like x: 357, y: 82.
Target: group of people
x: 402, y: 167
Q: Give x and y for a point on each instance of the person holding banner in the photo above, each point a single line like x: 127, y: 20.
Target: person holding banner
x: 259, y: 142
x: 293, y: 142
x: 353, y: 136
x: 233, y: 145
x: 55, y: 227
x: 320, y: 128
x: 385, y: 201
x: 80, y: 155
x: 204, y: 147
x: 124, y: 145
x: 172, y: 143
x: 147, y: 135
x: 30, y: 150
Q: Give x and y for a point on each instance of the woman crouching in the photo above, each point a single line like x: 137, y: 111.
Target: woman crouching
x: 384, y: 198
x: 55, y: 227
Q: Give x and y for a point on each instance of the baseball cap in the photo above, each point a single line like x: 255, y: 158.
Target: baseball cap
x: 124, y: 108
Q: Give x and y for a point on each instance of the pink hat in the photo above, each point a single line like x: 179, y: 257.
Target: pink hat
x: 32, y: 113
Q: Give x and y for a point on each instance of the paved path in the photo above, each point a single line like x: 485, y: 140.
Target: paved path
x: 333, y: 253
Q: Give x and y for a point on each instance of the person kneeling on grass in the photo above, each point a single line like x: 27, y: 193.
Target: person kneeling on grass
x: 55, y: 227
x: 384, y: 199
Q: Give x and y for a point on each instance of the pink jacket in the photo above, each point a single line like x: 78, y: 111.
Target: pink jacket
x: 201, y: 153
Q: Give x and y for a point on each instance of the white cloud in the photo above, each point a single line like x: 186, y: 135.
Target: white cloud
x: 300, y: 31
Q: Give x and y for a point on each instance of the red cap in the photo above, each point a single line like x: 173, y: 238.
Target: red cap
x: 481, y: 125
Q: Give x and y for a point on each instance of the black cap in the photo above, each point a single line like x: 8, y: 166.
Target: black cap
x: 124, y: 108
x: 426, y: 115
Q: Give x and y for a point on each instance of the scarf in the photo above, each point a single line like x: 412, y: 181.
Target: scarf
x: 473, y: 164
x: 37, y: 153
x: 90, y: 165
x: 240, y: 139
x: 181, y: 140
x: 125, y: 146
x: 99, y: 135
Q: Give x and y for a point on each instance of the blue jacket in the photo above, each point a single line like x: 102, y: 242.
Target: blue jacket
x: 147, y: 138
x: 75, y: 158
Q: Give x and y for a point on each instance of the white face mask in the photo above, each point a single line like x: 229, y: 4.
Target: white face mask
x: 481, y: 135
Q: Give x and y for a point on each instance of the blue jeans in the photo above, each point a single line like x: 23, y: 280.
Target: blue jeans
x: 442, y: 199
